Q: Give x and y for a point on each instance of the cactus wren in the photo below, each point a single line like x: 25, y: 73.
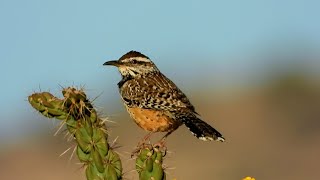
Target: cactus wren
x: 154, y: 102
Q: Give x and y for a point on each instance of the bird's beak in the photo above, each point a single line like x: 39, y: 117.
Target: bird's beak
x: 112, y: 63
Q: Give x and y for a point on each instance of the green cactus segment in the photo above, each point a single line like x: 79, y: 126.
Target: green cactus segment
x: 48, y: 105
x: 81, y: 119
x: 149, y: 164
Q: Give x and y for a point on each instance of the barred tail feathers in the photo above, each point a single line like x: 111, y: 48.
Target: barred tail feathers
x: 201, y: 129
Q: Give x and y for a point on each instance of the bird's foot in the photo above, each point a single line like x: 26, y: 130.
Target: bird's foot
x: 141, y: 145
x: 161, y: 145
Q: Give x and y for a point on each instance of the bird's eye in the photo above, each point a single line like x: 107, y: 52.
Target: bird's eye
x: 134, y: 61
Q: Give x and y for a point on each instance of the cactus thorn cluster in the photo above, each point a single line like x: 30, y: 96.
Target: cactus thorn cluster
x: 89, y: 131
x: 149, y: 164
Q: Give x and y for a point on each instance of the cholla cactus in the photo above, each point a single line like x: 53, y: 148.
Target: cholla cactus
x: 81, y: 119
x: 149, y: 164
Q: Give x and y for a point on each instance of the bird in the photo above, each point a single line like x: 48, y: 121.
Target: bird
x: 154, y: 102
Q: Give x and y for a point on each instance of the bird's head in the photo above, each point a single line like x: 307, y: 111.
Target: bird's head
x: 133, y: 64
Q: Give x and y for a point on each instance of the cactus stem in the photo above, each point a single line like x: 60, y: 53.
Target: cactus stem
x: 84, y: 125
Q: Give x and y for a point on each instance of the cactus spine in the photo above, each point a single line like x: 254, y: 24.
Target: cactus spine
x: 89, y: 131
x: 149, y: 164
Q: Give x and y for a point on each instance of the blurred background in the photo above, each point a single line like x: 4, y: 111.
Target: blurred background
x: 251, y: 69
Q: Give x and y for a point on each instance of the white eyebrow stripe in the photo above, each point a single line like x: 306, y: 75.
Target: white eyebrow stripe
x: 142, y: 59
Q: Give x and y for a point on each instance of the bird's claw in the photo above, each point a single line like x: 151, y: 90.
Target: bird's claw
x: 161, y: 145
x: 139, y: 147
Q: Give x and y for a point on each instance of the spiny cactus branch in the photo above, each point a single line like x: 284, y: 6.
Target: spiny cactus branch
x: 82, y: 121
x: 149, y: 163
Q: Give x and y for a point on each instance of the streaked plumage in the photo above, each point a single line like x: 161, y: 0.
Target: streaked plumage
x: 155, y: 102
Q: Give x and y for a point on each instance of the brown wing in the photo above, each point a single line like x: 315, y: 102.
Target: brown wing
x: 154, y: 91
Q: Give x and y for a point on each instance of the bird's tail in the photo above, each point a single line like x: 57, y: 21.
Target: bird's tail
x: 201, y: 129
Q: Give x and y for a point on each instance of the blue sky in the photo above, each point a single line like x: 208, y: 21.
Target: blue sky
x: 46, y: 43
